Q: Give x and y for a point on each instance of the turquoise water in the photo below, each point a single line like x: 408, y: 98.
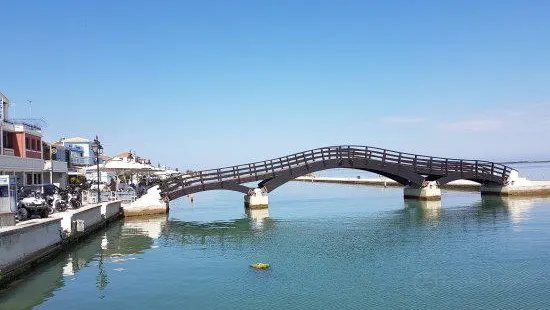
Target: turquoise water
x: 330, y: 246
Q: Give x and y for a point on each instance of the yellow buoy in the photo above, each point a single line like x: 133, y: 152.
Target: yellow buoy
x: 260, y: 266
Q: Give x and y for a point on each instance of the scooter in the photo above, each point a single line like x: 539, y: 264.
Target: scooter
x: 58, y: 202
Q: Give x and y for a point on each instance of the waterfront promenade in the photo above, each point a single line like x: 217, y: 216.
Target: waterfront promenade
x: 26, y: 244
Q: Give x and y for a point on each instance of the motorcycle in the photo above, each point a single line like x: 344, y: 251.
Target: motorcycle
x: 75, y: 199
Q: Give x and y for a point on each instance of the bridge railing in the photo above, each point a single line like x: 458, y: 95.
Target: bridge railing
x: 418, y: 163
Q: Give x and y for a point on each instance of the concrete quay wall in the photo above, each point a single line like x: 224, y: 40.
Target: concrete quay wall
x: 26, y: 244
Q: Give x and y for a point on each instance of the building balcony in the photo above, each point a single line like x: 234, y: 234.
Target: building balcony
x: 9, y: 152
x: 80, y: 161
x: 16, y: 126
x: 20, y: 164
x: 33, y: 154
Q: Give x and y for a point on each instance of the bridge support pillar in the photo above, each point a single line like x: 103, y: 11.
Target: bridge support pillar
x: 428, y: 191
x: 256, y: 199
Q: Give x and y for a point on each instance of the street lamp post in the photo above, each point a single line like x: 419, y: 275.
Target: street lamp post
x: 98, y: 150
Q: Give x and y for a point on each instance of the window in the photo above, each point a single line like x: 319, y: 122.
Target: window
x: 33, y: 144
x: 38, y: 144
x: 8, y: 139
x: 27, y: 144
x: 29, y: 178
x: 37, y: 178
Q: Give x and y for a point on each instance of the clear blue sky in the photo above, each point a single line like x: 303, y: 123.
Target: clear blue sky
x: 199, y: 84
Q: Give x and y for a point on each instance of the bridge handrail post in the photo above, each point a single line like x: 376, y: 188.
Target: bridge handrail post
x: 399, y: 160
x: 255, y: 171
x: 272, y: 167
x: 288, y: 164
x: 461, y: 168
x: 446, y: 166
x: 415, y: 163
x: 476, y: 167
x: 492, y: 168
x: 265, y: 167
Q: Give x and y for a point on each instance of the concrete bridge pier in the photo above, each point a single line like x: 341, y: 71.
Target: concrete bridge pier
x: 428, y: 191
x: 515, y: 186
x: 256, y: 199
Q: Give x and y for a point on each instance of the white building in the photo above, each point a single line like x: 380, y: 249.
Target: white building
x: 81, y: 151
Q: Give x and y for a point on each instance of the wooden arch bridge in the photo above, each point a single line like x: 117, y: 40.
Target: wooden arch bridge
x: 408, y: 169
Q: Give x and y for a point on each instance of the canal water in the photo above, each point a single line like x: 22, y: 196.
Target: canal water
x: 330, y: 246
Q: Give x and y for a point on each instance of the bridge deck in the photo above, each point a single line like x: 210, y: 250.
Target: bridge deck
x: 405, y: 168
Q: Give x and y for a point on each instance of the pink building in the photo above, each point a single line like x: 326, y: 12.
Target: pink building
x: 21, y: 152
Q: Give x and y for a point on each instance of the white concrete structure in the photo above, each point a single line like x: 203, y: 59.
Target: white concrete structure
x: 150, y: 203
x: 56, y: 172
x: 27, y: 241
x: 256, y: 199
x: 517, y: 186
x: 428, y: 191
x: 88, y: 216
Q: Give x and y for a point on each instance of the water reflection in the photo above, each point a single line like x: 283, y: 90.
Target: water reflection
x: 237, y: 230
x: 120, y: 241
x: 491, y: 209
x: 517, y: 208
x: 488, y: 208
x: 257, y: 216
x: 427, y: 210
x: 149, y: 226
